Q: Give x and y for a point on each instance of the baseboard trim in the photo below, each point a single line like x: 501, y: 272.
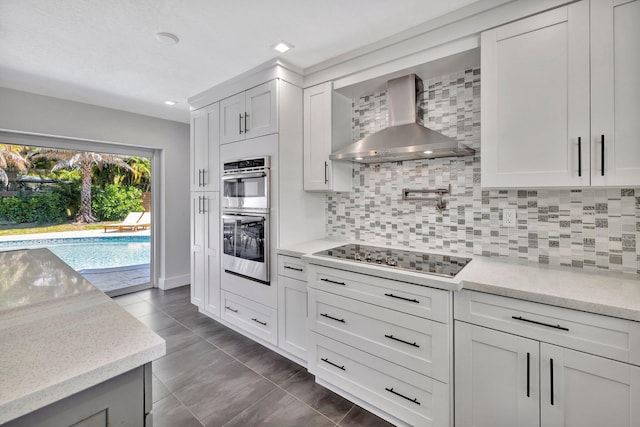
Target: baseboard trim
x: 174, y: 282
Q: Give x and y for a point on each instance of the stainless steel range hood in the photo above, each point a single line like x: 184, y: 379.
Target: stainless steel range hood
x: 406, y: 138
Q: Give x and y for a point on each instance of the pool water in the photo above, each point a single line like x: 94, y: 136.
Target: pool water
x: 90, y: 253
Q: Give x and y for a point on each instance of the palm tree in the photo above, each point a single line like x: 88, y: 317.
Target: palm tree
x: 83, y: 161
x: 10, y: 157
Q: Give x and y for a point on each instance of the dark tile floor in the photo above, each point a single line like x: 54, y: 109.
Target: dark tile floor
x: 213, y: 376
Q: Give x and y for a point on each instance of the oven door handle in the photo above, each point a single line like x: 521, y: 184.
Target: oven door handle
x: 244, y: 175
x: 236, y: 216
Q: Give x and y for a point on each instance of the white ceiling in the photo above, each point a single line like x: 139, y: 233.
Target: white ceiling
x: 104, y: 52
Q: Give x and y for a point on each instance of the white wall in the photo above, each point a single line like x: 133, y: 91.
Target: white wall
x: 27, y: 112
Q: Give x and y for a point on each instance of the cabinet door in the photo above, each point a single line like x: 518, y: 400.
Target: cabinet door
x: 205, y: 149
x: 582, y: 390
x: 292, y: 316
x: 232, y: 121
x: 211, y: 176
x: 261, y: 109
x: 615, y: 92
x: 198, y: 235
x: 535, y: 100
x: 317, y: 137
x: 496, y: 378
x: 199, y: 148
x: 212, y: 254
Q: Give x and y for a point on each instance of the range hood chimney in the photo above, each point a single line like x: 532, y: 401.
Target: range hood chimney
x: 405, y: 138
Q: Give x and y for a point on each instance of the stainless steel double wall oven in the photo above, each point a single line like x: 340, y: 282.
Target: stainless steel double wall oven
x: 245, y: 218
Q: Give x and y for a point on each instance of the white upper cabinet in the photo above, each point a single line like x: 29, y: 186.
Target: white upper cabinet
x: 550, y: 86
x: 535, y: 100
x: 249, y: 114
x: 327, y: 126
x: 615, y: 92
x: 205, y: 149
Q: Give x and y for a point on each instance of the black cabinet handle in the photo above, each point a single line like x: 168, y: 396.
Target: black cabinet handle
x: 528, y: 374
x: 326, y: 177
x: 294, y: 268
x: 326, y: 360
x: 403, y: 341
x: 403, y: 298
x: 204, y: 204
x: 332, y: 318
x: 579, y: 156
x: 522, y: 319
x: 230, y: 309
x: 333, y: 281
x: 390, y: 390
x: 239, y: 123
x: 203, y: 176
x: 551, y: 374
x: 602, y: 155
x: 245, y: 123
x: 257, y: 321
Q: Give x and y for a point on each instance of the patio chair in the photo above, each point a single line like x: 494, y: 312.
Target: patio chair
x: 143, y: 222
x: 129, y: 223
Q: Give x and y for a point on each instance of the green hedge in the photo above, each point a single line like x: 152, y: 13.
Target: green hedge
x: 44, y: 207
x: 113, y: 202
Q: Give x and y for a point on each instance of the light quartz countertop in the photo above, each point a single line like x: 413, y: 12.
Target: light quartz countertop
x: 599, y: 292
x: 59, y: 334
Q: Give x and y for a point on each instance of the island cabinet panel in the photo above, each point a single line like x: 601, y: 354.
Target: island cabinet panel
x: 119, y: 401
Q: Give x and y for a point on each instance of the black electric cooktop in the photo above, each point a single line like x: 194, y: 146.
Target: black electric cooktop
x: 419, y: 262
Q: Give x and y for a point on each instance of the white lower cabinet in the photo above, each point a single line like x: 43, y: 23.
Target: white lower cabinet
x: 411, y: 398
x: 251, y: 316
x: 292, y: 307
x: 377, y: 342
x: 516, y: 379
x: 205, y: 251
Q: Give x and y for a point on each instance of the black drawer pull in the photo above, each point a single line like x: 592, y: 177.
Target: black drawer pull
x: 403, y: 298
x: 333, y: 281
x: 539, y: 323
x: 390, y: 390
x: 403, y: 341
x: 257, y: 321
x: 325, y: 360
x: 332, y: 318
x: 230, y: 309
x: 294, y: 268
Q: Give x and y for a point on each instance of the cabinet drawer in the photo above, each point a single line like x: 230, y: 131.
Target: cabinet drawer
x: 418, y: 344
x: 292, y: 267
x: 418, y: 300
x: 402, y: 393
x: 605, y: 336
x: 251, y: 316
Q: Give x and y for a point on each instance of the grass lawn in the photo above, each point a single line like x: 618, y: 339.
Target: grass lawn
x: 15, y: 229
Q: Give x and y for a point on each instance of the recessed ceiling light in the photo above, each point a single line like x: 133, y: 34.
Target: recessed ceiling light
x: 282, y: 47
x: 357, y: 158
x: 170, y: 102
x: 167, y: 38
x: 428, y: 152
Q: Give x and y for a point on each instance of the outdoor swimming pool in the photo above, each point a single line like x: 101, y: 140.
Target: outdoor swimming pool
x: 90, y: 253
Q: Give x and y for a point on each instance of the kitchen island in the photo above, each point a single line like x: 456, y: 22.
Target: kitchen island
x: 69, y: 355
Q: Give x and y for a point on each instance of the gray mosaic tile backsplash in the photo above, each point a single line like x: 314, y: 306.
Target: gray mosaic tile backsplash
x: 585, y: 228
